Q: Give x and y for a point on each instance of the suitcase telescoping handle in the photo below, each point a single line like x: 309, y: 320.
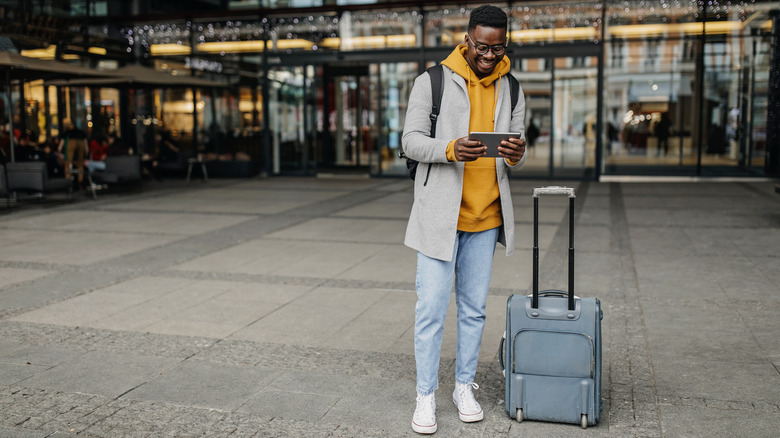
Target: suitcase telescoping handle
x: 553, y: 190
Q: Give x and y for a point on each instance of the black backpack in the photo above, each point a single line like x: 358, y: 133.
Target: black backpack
x: 436, y: 73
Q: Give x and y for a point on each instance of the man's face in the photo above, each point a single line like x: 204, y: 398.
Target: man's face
x: 482, y: 36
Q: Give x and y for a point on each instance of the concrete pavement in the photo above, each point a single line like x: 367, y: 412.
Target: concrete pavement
x: 283, y: 307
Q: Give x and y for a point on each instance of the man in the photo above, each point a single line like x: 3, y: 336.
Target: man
x: 74, y: 147
x: 662, y: 132
x: 462, y: 204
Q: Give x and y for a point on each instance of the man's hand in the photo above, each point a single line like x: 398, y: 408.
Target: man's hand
x: 512, y: 150
x: 469, y: 150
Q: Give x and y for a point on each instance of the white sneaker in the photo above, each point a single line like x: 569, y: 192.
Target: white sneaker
x: 424, y: 419
x: 469, y: 410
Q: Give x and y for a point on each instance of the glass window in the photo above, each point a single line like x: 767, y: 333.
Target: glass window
x: 287, y: 34
x: 656, y: 112
x: 103, y: 115
x: 243, y: 4
x: 757, y: 94
x: 446, y: 26
x: 534, y: 75
x: 35, y: 119
x: 160, y: 39
x: 231, y: 36
x: 545, y: 22
x: 313, y: 32
x: 380, y: 29
x: 176, y: 110
x: 396, y: 84
x: 289, y: 125
x: 574, y: 116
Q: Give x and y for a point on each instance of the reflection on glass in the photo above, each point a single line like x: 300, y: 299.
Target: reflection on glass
x: 380, y: 29
x: 656, y: 111
x: 446, y: 26
x: 350, y: 140
x: 574, y: 117
x: 290, y: 150
x: 397, y: 80
x: 545, y: 22
x: 560, y: 115
x: 534, y: 75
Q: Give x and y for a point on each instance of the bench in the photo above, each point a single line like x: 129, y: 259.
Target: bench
x: 32, y: 177
x: 123, y: 169
x: 4, y: 187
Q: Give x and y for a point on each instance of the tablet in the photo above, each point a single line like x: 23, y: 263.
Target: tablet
x: 492, y: 140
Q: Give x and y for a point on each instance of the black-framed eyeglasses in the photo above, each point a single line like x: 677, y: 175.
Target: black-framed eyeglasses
x: 482, y: 49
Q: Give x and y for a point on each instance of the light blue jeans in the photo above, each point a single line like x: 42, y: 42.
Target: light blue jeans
x: 470, y: 268
x: 96, y: 165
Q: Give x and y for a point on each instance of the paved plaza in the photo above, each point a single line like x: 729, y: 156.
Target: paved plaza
x: 284, y: 307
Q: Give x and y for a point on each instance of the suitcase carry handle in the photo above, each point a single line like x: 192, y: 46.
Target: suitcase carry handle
x: 501, y: 354
x: 553, y: 190
x: 558, y: 293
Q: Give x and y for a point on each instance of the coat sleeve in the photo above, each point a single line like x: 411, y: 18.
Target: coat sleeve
x: 416, y: 140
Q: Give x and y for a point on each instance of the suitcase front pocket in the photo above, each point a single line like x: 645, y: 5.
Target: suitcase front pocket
x: 553, y: 353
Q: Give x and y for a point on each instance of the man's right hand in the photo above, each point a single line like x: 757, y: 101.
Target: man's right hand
x: 469, y: 150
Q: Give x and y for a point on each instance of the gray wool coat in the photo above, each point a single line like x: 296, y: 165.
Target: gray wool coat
x: 438, y: 187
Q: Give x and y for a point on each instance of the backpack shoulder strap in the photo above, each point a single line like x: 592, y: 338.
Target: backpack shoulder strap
x: 437, y: 89
x: 514, y: 90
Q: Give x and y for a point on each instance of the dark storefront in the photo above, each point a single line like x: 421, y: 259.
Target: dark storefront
x: 613, y: 88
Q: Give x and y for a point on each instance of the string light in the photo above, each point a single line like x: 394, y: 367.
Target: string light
x: 442, y: 25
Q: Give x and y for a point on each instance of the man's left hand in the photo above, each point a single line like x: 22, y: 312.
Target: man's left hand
x: 512, y: 149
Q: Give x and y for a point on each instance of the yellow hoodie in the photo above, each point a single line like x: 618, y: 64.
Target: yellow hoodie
x: 480, y: 207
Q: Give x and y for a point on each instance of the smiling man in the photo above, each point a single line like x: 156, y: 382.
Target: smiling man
x: 462, y: 204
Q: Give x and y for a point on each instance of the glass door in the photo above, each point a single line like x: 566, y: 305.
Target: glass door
x: 347, y: 134
x: 534, y: 77
x: 291, y: 147
x: 396, y: 80
x: 561, y: 108
x: 575, y: 88
x: 747, y: 123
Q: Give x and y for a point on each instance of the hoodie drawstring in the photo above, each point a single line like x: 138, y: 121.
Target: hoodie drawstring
x: 495, y: 99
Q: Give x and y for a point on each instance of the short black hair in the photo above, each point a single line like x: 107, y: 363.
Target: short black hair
x: 488, y: 16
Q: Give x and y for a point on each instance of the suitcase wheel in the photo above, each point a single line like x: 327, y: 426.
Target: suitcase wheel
x: 519, y: 415
x: 584, y: 421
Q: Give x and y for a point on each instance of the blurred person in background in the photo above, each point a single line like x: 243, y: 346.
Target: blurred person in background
x: 73, y: 146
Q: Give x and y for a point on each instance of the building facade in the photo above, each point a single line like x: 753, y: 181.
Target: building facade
x: 614, y: 88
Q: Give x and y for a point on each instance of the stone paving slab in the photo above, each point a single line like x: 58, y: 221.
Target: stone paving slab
x: 127, y: 222
x: 101, y: 373
x: 344, y: 230
x: 718, y: 421
x: 283, y: 307
x: 313, y: 319
x: 37, y: 355
x: 388, y: 265
x: 11, y: 373
x: 10, y: 276
x: 206, y: 385
x: 73, y: 248
x: 287, y: 257
x: 248, y: 204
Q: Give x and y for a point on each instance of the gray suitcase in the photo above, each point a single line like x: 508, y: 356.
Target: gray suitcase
x: 552, y: 346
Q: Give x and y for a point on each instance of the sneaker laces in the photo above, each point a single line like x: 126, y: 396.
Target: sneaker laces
x: 466, y: 400
x: 426, y: 408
